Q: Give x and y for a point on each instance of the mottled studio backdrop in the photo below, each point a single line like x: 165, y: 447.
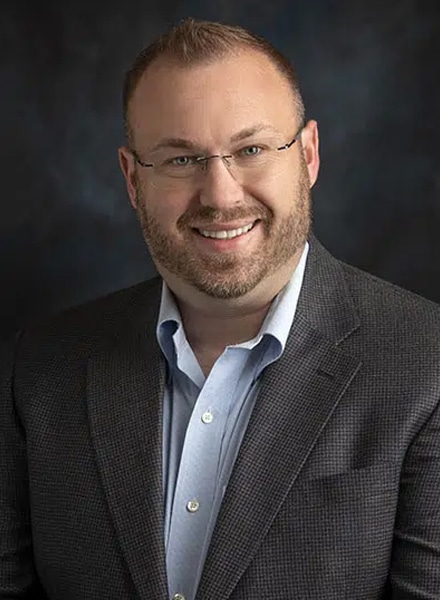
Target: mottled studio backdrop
x: 370, y: 76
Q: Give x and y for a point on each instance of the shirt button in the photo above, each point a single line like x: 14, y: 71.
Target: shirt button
x: 207, y: 417
x: 178, y: 597
x: 192, y: 506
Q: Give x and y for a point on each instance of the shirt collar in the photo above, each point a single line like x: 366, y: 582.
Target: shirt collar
x: 279, y: 318
x: 276, y: 324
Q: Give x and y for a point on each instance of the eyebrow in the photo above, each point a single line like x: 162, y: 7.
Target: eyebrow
x: 174, y: 143
x: 250, y: 131
x: 183, y: 143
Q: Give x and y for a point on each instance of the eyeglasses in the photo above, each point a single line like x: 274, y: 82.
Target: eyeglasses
x: 253, y: 158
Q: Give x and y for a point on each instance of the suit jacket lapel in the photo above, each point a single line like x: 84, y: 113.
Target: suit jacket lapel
x: 125, y: 391
x: 298, y: 396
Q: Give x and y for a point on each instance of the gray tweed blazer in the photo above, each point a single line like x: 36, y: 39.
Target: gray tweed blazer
x: 335, y: 493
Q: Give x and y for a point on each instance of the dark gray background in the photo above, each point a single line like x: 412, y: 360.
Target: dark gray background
x: 370, y: 76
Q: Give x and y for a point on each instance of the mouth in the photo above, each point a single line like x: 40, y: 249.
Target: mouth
x: 226, y: 234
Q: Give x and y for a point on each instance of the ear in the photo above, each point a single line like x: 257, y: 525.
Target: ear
x: 128, y: 168
x: 310, y: 147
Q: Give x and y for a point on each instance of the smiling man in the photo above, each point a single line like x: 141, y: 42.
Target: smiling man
x: 215, y: 147
x: 259, y: 421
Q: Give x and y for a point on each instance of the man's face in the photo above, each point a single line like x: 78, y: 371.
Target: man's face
x: 207, y: 107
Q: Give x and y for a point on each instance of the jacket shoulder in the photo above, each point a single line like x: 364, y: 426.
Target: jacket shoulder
x: 391, y: 307
x: 87, y: 326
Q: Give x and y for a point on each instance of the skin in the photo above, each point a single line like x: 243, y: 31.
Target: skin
x: 223, y: 294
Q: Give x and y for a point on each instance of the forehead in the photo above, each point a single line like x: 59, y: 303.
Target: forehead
x: 211, y: 101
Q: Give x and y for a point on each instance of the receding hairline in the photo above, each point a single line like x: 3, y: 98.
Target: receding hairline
x: 189, y: 44
x: 168, y: 61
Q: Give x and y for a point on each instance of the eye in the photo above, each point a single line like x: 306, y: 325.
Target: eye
x: 181, y: 161
x: 251, y: 151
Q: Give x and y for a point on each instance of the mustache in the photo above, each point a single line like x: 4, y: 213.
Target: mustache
x: 209, y: 215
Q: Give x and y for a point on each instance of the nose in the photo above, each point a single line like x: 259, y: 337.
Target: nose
x: 219, y: 188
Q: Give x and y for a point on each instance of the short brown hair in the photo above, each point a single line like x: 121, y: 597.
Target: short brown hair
x: 192, y: 42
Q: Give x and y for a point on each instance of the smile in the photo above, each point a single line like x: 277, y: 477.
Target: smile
x: 226, y: 234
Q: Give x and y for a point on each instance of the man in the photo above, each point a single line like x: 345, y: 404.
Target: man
x: 259, y: 422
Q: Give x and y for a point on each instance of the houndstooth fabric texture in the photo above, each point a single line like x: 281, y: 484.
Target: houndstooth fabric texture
x: 335, y: 493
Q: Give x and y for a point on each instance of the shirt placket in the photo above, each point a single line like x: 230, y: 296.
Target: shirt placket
x: 198, y: 476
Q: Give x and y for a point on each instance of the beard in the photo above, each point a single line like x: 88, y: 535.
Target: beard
x: 229, y: 275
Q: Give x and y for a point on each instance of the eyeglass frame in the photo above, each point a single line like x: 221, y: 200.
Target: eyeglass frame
x: 203, y: 159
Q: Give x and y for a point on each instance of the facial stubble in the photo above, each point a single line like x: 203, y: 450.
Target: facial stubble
x: 229, y: 275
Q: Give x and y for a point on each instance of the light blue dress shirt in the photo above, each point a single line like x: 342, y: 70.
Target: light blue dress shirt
x: 204, y: 421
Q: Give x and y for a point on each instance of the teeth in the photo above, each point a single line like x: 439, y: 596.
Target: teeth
x: 222, y: 235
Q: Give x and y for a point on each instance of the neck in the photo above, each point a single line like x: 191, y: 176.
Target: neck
x: 213, y: 332
x: 211, y: 324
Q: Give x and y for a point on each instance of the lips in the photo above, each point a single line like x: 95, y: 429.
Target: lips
x: 224, y: 234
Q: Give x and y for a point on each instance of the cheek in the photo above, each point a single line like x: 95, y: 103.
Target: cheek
x: 166, y: 209
x: 276, y: 194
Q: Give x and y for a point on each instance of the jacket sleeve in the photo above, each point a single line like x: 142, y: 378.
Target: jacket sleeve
x: 415, y: 568
x: 18, y: 579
